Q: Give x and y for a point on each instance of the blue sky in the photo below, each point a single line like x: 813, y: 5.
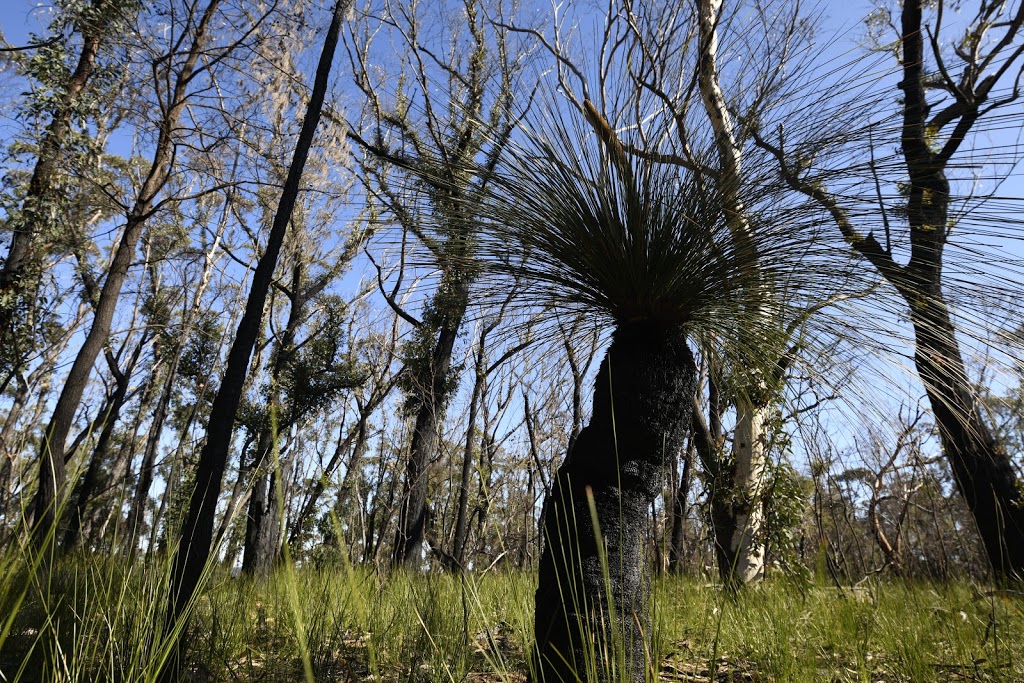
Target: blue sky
x: 841, y: 19
x: 19, y: 17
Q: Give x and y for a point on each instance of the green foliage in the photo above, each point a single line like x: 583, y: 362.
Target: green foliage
x: 321, y: 368
x: 315, y: 371
x: 350, y: 624
x: 786, y: 498
x: 62, y: 150
x: 444, y: 312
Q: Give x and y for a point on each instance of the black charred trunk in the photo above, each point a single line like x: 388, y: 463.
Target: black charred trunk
x: 677, y: 541
x: 262, y: 528
x: 432, y: 385
x: 981, y: 466
x: 196, y: 535
x: 592, y: 599
x: 707, y: 443
x: 254, y: 554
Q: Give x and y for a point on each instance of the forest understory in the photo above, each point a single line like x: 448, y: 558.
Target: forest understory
x: 511, y: 340
x: 346, y: 624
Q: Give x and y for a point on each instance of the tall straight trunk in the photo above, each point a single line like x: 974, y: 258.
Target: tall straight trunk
x: 747, y: 510
x: 458, y: 552
x: 52, y: 473
x: 432, y: 401
x: 741, y: 514
x: 677, y: 540
x: 157, y: 542
x: 615, y: 469
x: 140, y: 497
x: 267, y: 543
x: 196, y: 537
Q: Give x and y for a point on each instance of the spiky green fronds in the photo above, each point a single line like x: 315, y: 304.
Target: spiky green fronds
x: 584, y: 225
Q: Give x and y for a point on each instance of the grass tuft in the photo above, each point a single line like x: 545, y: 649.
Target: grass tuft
x: 89, y: 622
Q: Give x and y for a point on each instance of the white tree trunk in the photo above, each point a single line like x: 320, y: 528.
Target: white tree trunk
x: 748, y: 486
x: 749, y: 442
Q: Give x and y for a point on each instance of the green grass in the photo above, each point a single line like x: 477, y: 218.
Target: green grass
x: 89, y: 621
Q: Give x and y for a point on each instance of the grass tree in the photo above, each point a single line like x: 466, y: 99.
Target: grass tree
x: 587, y: 227
x: 667, y: 74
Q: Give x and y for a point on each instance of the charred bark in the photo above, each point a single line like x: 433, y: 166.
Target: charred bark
x: 677, y: 539
x: 261, y: 520
x: 614, y: 468
x: 981, y: 466
x: 196, y: 536
x: 433, y: 383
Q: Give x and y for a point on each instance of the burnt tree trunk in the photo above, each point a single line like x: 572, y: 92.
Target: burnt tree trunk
x: 259, y: 554
x: 677, y: 540
x: 432, y: 386
x: 981, y: 466
x: 196, y: 536
x: 615, y: 468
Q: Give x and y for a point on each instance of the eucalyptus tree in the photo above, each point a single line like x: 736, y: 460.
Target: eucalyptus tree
x: 377, y: 352
x: 176, y: 332
x: 306, y: 376
x: 178, y: 70
x: 69, y: 76
x: 950, y: 92
x: 308, y: 364
x: 196, y: 535
x: 430, y: 111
